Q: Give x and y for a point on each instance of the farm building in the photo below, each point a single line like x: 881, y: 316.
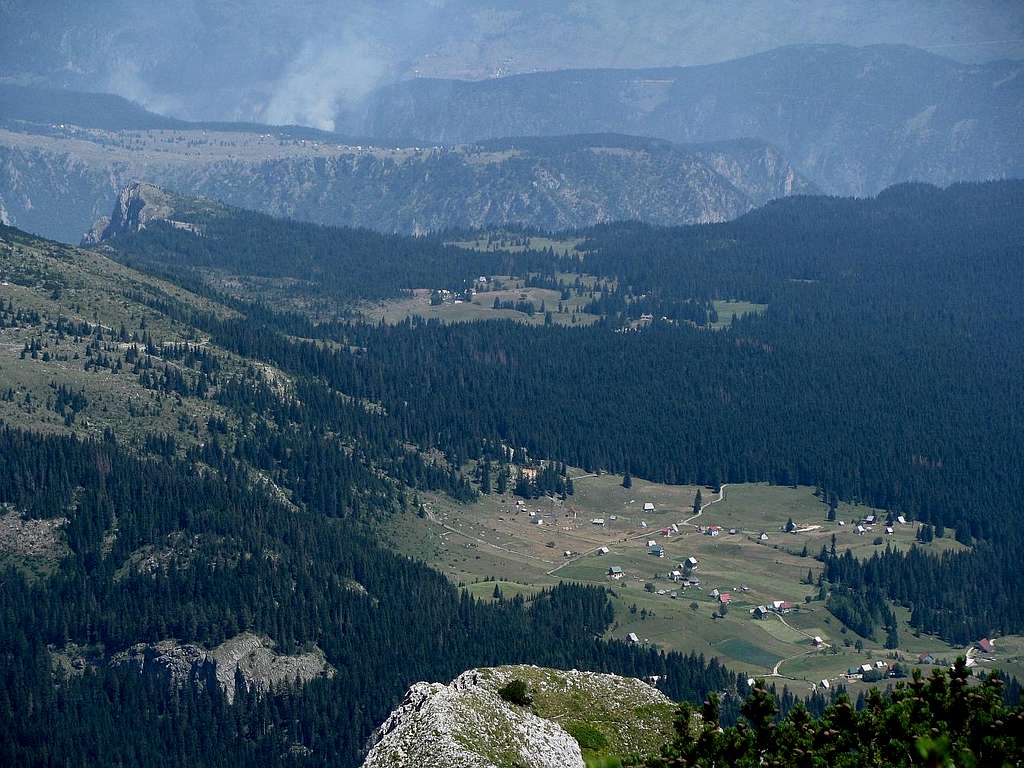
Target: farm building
x: 986, y: 646
x: 760, y: 612
x: 615, y: 572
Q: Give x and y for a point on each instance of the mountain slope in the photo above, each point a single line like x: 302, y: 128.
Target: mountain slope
x: 854, y: 120
x: 58, y: 181
x: 277, y: 61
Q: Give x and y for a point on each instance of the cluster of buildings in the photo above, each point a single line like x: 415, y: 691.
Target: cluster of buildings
x: 776, y: 606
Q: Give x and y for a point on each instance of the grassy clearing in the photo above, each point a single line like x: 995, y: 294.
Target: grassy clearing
x: 506, y: 289
x: 494, y: 538
x: 514, y: 243
x: 727, y: 310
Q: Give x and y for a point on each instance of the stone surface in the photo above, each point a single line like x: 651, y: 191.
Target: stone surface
x: 262, y: 669
x: 466, y: 724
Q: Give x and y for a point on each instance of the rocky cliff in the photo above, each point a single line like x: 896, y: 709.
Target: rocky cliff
x: 470, y: 724
x: 262, y: 669
x: 57, y: 183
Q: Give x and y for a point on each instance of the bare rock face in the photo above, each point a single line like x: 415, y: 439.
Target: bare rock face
x: 262, y: 669
x: 5, y: 218
x: 138, y: 204
x: 467, y: 724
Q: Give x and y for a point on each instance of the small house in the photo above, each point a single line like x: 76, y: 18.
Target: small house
x: 675, y: 528
x: 826, y: 684
x: 763, y: 536
x: 713, y: 530
x: 818, y: 642
x: 657, y: 550
x: 567, y: 553
x: 760, y: 612
x: 864, y: 668
x: 691, y: 562
x: 986, y: 646
x: 597, y: 521
x: 860, y: 530
x: 651, y: 543
x: 842, y: 522
x: 537, y: 520
x: 870, y: 519
x: 901, y: 520
x: 603, y: 550
x: 643, y: 523
x: 677, y: 575
x: 925, y: 658
x: 632, y: 638
x: 648, y: 506
x: 732, y: 531
x: 790, y: 527
x: 715, y: 592
x: 888, y: 530
x: 615, y: 572
x: 724, y: 598
x: 880, y: 664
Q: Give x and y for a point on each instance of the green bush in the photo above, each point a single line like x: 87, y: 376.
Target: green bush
x: 588, y: 736
x: 516, y: 692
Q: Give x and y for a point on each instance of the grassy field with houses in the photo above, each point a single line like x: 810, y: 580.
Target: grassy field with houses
x: 497, y: 542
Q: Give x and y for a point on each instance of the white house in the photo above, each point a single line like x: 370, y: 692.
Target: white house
x: 648, y: 506
x: 651, y: 542
x: 603, y: 550
x: 763, y: 537
x: 597, y: 521
x: 826, y: 684
x: 632, y: 638
x: 901, y: 520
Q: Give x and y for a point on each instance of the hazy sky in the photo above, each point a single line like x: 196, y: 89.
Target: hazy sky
x: 295, y: 61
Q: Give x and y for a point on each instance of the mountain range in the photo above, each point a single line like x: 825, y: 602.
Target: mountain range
x: 64, y: 158
x: 853, y: 120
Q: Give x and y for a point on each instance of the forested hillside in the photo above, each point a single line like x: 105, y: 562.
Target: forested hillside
x: 176, y: 489
x: 883, y: 370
